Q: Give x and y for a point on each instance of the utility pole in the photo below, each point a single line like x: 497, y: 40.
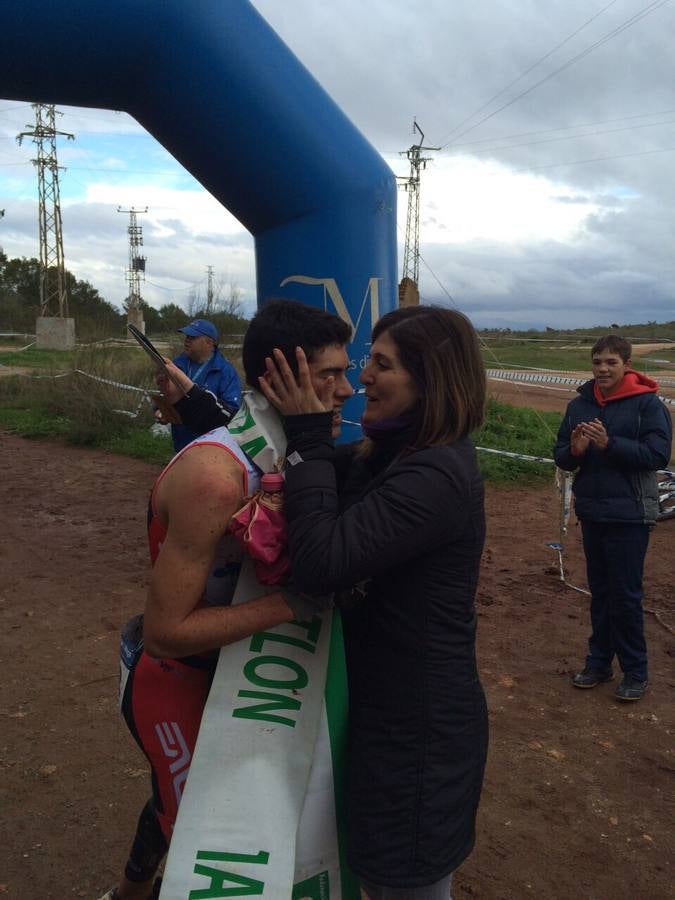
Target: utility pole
x: 209, y: 290
x: 408, y: 292
x: 136, y: 269
x: 55, y: 330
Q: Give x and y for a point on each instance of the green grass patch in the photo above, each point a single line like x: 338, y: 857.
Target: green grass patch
x: 517, y: 430
x: 32, y: 423
x: 81, y: 410
x: 90, y: 413
x: 141, y: 445
x: 572, y: 357
x: 48, y: 360
x: 116, y: 357
x: 498, y: 354
x: 87, y: 411
x: 667, y: 354
x: 119, y: 437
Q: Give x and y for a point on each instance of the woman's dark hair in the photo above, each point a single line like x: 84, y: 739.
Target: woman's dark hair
x: 287, y: 324
x: 439, y: 348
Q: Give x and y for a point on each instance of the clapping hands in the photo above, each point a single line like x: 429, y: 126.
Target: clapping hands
x: 586, y: 434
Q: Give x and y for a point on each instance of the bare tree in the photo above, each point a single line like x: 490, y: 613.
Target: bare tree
x: 227, y: 298
x: 195, y: 304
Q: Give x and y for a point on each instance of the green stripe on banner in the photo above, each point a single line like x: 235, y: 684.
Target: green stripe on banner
x: 337, y: 711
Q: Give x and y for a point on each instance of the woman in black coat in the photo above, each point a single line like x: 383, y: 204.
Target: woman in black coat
x: 395, y: 524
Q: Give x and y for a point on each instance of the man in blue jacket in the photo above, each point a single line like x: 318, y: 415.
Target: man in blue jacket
x: 616, y: 434
x: 205, y: 365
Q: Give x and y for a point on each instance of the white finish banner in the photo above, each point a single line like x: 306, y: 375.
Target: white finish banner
x: 258, y: 815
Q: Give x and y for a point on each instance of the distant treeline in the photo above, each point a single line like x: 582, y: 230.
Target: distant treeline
x: 646, y: 331
x: 95, y: 318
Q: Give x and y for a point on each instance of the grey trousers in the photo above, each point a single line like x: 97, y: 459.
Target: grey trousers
x: 440, y: 890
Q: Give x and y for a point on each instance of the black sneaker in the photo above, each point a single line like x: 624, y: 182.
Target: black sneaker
x: 631, y: 688
x: 589, y: 678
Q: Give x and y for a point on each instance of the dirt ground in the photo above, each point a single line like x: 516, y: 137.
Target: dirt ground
x: 578, y: 798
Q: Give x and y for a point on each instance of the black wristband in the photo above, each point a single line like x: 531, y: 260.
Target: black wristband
x: 319, y: 424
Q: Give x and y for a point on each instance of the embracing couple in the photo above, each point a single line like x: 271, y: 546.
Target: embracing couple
x: 390, y: 530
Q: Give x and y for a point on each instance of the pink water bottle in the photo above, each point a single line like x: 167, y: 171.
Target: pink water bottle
x: 272, y: 486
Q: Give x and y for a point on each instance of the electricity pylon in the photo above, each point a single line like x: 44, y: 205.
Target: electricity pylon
x: 52, y: 268
x: 136, y: 269
x: 411, y: 252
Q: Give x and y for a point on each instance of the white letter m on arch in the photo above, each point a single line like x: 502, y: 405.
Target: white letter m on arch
x: 331, y: 290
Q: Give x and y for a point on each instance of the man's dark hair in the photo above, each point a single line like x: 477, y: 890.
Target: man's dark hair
x: 614, y: 344
x: 287, y: 324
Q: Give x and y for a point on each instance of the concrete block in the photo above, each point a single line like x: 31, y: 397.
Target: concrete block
x: 54, y: 333
x: 135, y: 317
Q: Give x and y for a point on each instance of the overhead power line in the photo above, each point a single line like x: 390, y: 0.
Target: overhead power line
x: 174, y: 290
x: 632, y: 20
x: 527, y: 71
x: 568, y: 137
x: 524, y: 134
x: 580, y: 162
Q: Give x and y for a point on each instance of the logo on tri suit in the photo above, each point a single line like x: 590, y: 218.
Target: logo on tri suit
x: 175, y: 748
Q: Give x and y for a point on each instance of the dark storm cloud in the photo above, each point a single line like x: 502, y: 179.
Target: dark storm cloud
x: 553, y: 284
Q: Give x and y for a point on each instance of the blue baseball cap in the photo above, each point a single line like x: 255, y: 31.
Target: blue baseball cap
x: 201, y: 327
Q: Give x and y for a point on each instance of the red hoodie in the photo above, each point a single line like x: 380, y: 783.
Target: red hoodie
x: 633, y: 383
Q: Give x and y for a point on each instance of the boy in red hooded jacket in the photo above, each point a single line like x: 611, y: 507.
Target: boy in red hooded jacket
x: 616, y: 434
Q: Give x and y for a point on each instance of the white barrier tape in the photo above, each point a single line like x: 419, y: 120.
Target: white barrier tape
x: 20, y: 349
x: 122, y: 342
x: 573, y: 339
x: 537, y: 459
x: 134, y: 415
x: 559, y: 549
x: 146, y: 398
x: 543, y: 387
x: 506, y: 375
x: 119, y: 384
x: 39, y: 377
x: 540, y: 369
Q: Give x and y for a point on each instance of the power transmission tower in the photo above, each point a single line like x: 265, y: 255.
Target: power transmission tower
x: 411, y: 252
x: 52, y: 269
x: 209, y: 290
x: 136, y: 269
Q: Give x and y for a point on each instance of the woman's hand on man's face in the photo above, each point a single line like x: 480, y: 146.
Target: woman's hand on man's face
x: 291, y: 395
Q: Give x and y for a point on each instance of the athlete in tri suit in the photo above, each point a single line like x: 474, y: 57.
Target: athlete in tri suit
x: 188, y: 616
x: 163, y: 699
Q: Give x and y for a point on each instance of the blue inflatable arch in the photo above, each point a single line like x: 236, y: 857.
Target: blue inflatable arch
x: 213, y: 83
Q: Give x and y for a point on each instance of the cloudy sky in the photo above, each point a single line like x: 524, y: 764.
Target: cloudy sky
x: 551, y: 202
